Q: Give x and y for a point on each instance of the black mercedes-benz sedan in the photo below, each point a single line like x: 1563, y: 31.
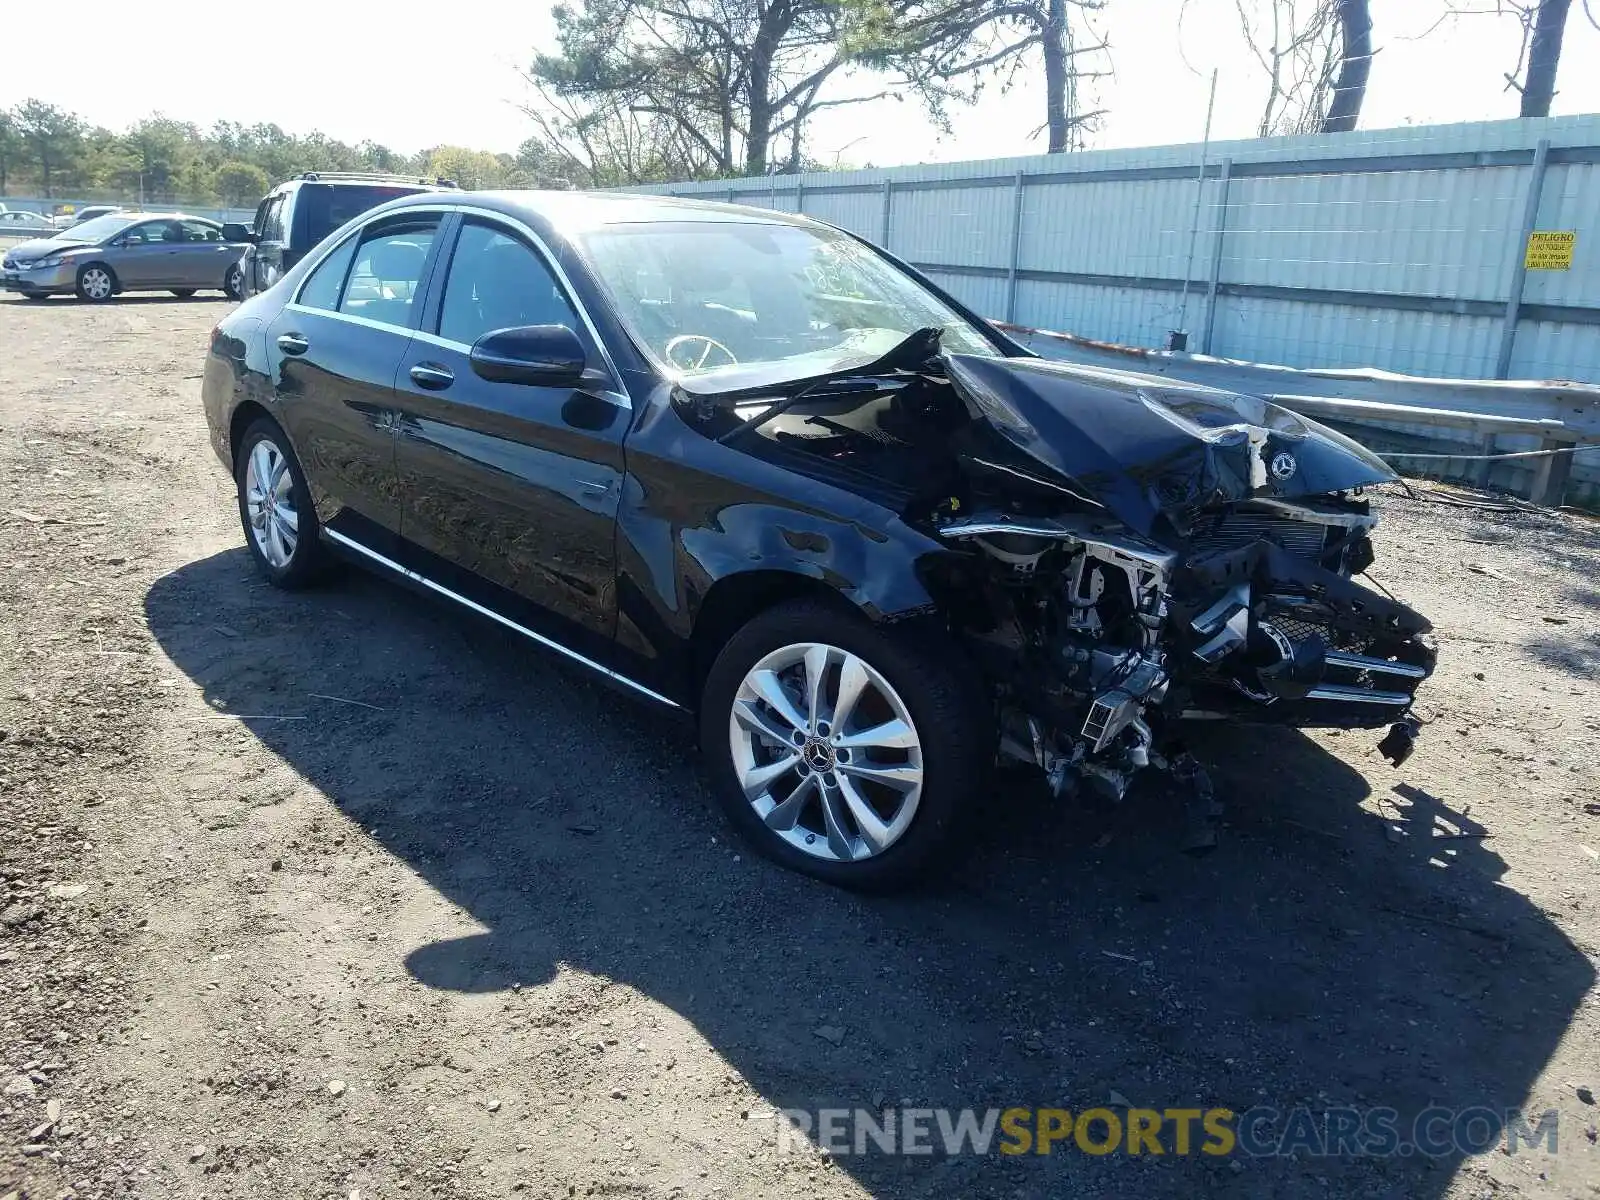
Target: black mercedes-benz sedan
x: 752, y: 467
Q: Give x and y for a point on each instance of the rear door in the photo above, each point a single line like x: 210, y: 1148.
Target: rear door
x: 516, y: 485
x: 334, y: 351
x: 204, y: 258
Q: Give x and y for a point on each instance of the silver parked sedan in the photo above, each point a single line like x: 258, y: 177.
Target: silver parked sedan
x: 15, y: 223
x: 125, y: 252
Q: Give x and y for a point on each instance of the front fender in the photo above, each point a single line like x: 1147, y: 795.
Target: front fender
x: 695, y: 513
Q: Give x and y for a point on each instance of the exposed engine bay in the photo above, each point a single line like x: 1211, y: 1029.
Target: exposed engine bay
x: 1124, y: 554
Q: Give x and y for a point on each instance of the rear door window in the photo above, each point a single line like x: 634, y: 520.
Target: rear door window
x: 325, y: 284
x: 271, y: 220
x: 386, y: 278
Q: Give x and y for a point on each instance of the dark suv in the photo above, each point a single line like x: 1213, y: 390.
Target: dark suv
x: 300, y: 212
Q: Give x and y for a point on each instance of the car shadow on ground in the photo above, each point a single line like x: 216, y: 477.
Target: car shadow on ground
x: 1322, y: 956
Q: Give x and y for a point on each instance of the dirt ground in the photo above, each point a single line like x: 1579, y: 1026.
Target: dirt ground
x: 347, y: 894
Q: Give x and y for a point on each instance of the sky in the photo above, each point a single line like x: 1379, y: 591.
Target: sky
x: 423, y: 75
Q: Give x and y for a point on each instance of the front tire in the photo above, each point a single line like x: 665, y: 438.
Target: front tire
x: 233, y: 283
x: 843, y: 750
x: 280, y: 523
x: 97, y: 283
x: 184, y: 293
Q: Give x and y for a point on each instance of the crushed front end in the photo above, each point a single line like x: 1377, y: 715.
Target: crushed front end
x: 1167, y: 565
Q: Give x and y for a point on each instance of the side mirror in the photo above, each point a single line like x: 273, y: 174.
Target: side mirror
x: 538, y: 355
x: 232, y: 231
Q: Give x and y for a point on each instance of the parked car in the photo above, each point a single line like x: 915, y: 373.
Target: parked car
x: 89, y: 212
x: 300, y: 212
x: 125, y: 252
x: 14, y: 222
x: 751, y: 467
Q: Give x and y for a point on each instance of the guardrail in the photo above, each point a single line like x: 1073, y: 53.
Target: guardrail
x: 1553, y: 418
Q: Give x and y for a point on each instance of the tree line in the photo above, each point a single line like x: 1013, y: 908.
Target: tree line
x: 49, y: 151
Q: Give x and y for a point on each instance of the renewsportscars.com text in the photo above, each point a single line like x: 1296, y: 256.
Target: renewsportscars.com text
x: 1261, y: 1132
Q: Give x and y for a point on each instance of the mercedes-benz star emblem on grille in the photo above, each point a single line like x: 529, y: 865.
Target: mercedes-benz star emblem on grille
x: 1283, y: 466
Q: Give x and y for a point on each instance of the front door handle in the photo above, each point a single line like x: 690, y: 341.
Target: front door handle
x: 432, y: 376
x: 293, y: 343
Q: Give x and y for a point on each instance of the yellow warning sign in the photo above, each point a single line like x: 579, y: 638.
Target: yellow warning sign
x: 1551, y: 249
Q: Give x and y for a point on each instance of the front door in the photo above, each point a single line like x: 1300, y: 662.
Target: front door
x: 334, y: 352
x: 514, y: 484
x: 140, y: 256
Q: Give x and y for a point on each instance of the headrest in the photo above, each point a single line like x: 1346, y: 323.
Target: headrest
x: 396, y: 260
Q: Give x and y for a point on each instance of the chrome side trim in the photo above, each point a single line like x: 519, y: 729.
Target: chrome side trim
x: 1355, y: 695
x: 352, y: 544
x: 1379, y: 666
x: 350, y: 319
x: 433, y: 339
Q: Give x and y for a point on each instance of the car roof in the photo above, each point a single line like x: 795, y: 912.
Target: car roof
x: 572, y: 211
x: 161, y: 216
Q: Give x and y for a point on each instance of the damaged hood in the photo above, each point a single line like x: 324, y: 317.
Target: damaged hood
x: 1149, y: 448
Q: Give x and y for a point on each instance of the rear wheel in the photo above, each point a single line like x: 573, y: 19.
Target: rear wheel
x: 96, y: 283
x: 280, y: 524
x: 184, y: 293
x: 36, y: 295
x: 847, y: 751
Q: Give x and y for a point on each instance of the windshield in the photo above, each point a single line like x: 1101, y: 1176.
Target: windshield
x: 95, y: 230
x: 704, y: 296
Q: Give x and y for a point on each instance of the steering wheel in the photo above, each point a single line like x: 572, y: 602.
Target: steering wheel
x: 710, y: 344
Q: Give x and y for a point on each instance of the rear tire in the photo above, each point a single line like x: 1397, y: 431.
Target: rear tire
x: 184, y: 293
x: 97, y: 283
x: 915, y: 731
x: 36, y: 295
x: 280, y: 523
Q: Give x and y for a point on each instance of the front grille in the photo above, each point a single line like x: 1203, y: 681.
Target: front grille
x: 1298, y: 630
x: 1234, y: 530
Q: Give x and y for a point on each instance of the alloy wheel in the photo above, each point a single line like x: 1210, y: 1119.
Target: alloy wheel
x: 826, y: 752
x: 269, y: 503
x: 233, y: 285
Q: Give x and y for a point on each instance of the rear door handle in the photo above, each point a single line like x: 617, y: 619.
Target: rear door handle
x: 432, y: 376
x: 293, y: 343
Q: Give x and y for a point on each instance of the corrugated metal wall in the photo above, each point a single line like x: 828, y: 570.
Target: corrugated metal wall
x: 1390, y: 248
